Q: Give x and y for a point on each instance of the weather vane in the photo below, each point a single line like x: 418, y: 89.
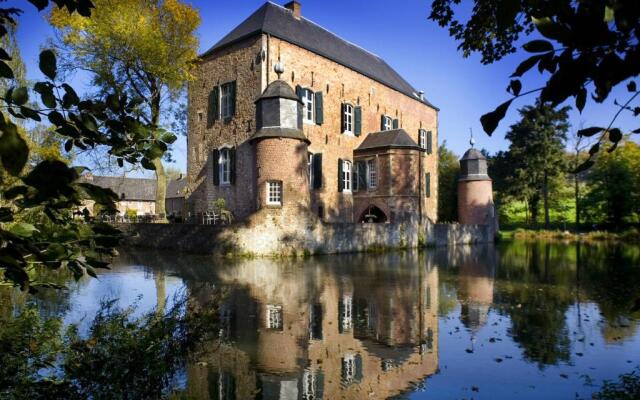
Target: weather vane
x: 472, y: 141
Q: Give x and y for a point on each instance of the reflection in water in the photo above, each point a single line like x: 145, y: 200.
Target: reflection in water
x: 519, y: 320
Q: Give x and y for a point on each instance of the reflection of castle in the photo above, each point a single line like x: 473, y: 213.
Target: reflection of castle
x: 314, y: 332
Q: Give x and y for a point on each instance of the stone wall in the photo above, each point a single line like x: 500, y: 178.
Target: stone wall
x: 451, y: 234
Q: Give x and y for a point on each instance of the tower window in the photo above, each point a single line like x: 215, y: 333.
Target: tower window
x: 387, y: 123
x: 372, y: 174
x: 308, y: 105
x: 274, y: 193
x: 226, y: 100
x: 422, y: 139
x: 346, y: 176
x: 274, y: 317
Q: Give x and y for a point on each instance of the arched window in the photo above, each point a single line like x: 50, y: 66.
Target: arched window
x: 347, y: 118
x: 224, y: 170
x: 387, y: 123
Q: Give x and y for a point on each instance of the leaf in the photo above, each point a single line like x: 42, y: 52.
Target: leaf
x: 13, y: 149
x: 4, y: 55
x: 637, y: 130
x: 615, y: 135
x: 527, y: 65
x: 23, y: 229
x: 631, y: 86
x: 515, y: 86
x: 594, y: 149
x: 20, y: 95
x: 550, y: 29
x: 588, y: 132
x: 147, y: 164
x: 490, y: 120
x: 68, y: 145
x: 5, y: 71
x: 46, y: 94
x: 48, y: 64
x: 40, y: 4
x: 581, y: 99
x: 609, y: 14
x: 584, y: 166
x: 30, y: 113
x: 538, y: 46
x: 70, y: 98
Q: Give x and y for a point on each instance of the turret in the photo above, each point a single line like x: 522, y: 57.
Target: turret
x: 281, y: 149
x: 475, y: 191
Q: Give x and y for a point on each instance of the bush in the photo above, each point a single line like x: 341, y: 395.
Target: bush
x: 131, y: 214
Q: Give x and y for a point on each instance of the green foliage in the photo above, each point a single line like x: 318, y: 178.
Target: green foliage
x: 220, y: 204
x: 49, y: 188
x: 131, y: 214
x: 448, y: 170
x: 627, y: 387
x: 121, y: 356
x: 587, y: 48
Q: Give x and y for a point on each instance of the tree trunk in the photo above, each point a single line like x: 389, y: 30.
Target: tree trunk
x: 546, y: 200
x: 161, y: 177
x: 534, y: 204
x: 576, y: 190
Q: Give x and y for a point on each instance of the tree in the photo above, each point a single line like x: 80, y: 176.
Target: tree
x: 588, y: 48
x: 614, y: 185
x: 49, y: 188
x: 448, y: 170
x: 536, y: 155
x: 140, y: 48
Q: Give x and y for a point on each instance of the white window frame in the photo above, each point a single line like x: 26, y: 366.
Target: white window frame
x: 308, y: 109
x: 348, y: 119
x: 347, y: 318
x: 347, y: 170
x: 224, y: 165
x: 274, y: 317
x: 348, y: 367
x: 372, y: 173
x: 226, y: 100
x: 422, y: 139
x: 274, y: 193
x: 388, y: 123
x: 309, y: 385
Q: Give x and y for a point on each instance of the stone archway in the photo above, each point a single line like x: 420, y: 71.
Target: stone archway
x: 373, y: 214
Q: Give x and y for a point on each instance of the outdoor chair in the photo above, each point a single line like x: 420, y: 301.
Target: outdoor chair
x: 210, y: 217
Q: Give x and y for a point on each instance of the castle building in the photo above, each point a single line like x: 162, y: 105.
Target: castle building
x: 285, y: 117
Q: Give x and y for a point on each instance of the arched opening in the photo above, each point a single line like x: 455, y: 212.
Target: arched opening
x: 373, y: 214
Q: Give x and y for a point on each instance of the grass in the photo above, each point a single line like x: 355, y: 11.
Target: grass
x: 631, y: 235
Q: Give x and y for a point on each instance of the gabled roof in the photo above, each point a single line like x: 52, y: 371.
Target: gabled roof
x: 395, y: 138
x: 136, y: 189
x: 175, y: 188
x: 280, y: 22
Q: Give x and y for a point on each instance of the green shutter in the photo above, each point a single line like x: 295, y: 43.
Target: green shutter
x: 340, y: 183
x: 299, y: 92
x: 233, y: 98
x: 216, y: 167
x: 354, y: 178
x: 358, y: 370
x: 319, y: 108
x: 382, y: 122
x: 357, y: 119
x: 214, y: 106
x: 362, y: 175
x: 429, y: 145
x: 316, y: 166
x: 342, y: 106
x: 427, y: 184
x: 232, y: 166
x: 396, y: 124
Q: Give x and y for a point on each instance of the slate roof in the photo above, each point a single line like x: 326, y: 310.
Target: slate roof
x: 279, y: 89
x: 395, y: 138
x: 280, y: 22
x: 135, y: 189
x: 473, y: 154
x: 278, y: 132
x: 175, y: 188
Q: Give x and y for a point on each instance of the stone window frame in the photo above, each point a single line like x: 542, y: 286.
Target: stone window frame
x: 224, y: 165
x: 350, y: 121
x: 226, y: 100
x: 388, y: 123
x: 273, y: 193
x: 347, y: 170
x: 308, y: 105
x: 372, y: 184
x: 422, y: 138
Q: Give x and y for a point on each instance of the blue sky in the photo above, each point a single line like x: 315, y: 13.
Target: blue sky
x: 399, y: 32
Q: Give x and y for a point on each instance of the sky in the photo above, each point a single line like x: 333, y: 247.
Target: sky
x: 400, y: 32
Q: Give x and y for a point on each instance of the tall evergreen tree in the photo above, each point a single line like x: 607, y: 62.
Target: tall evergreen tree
x: 537, y: 155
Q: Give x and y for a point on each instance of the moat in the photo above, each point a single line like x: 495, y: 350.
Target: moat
x: 516, y: 320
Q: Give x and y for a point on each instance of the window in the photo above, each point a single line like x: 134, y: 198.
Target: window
x: 372, y: 174
x: 387, y: 123
x: 310, y: 166
x: 274, y: 193
x: 122, y: 196
x: 309, y: 385
x: 274, y: 317
x: 422, y: 140
x: 199, y: 116
x: 347, y: 118
x: 224, y: 166
x: 308, y: 106
x: 346, y: 176
x: 226, y: 100
x: 348, y: 368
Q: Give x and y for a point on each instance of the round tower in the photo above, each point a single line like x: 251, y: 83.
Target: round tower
x: 281, y: 155
x: 475, y: 191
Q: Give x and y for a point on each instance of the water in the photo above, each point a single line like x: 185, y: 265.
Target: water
x: 526, y: 321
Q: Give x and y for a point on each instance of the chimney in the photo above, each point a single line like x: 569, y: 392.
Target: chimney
x: 295, y: 7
